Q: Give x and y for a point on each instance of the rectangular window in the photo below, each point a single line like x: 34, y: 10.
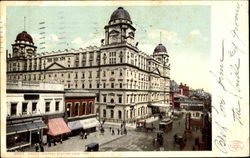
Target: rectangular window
x: 24, y: 108
x: 104, y: 99
x: 57, y: 106
x: 34, y: 107
x: 47, y: 106
x: 112, y: 85
x: 120, y: 99
x: 90, y: 74
x: 13, y: 108
x: 120, y: 85
x: 104, y: 85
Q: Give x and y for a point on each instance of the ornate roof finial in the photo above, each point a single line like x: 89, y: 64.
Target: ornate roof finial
x: 24, y: 23
x: 160, y: 36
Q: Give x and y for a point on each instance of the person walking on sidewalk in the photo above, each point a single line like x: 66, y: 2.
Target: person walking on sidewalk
x: 81, y: 134
x: 125, y: 131
x: 41, y: 147
x: 113, y: 132
x: 85, y: 135
x: 36, y: 146
x: 118, y: 131
x: 110, y: 129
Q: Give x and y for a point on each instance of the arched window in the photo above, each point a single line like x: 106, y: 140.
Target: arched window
x: 90, y: 107
x: 68, y: 109
x: 112, y: 113
x: 83, y: 108
x: 119, y: 114
x: 112, y: 100
x: 76, y: 109
x: 82, y: 85
x: 104, y: 113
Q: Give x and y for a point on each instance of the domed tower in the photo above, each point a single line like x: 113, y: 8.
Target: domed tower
x: 119, y: 28
x: 161, y: 54
x: 23, y: 46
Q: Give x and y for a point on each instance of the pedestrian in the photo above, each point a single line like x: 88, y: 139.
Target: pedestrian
x: 118, y: 131
x: 121, y: 125
x: 54, y: 141
x: 36, y: 146
x: 41, y: 147
x: 110, y: 129
x: 193, y: 148
x: 85, y: 135
x: 113, y: 132
x: 125, y: 131
x: 82, y: 134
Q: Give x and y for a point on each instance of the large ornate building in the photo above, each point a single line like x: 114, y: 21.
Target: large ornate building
x: 127, y: 81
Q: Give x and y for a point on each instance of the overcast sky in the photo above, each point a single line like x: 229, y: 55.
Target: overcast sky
x: 185, y: 33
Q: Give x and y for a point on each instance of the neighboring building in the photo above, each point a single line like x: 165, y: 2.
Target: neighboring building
x: 174, y: 89
x: 127, y: 81
x: 29, y: 104
x: 184, y: 89
x: 80, y: 110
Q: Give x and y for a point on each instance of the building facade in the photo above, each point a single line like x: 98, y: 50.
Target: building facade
x: 29, y: 105
x: 126, y: 80
x: 80, y: 111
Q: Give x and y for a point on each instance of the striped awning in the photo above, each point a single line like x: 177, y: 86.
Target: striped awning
x: 57, y: 126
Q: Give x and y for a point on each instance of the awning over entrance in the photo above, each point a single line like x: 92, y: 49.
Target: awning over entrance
x: 89, y: 123
x: 75, y: 125
x: 57, y: 126
x: 161, y: 105
x: 25, y: 127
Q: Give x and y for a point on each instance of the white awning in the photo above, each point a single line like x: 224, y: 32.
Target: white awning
x: 74, y: 125
x: 161, y: 105
x: 89, y: 123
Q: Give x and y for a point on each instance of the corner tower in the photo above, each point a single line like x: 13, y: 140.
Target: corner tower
x: 161, y: 54
x: 119, y: 29
x: 23, y: 46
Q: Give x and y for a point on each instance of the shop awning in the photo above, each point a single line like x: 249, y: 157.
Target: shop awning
x: 89, y: 123
x: 57, y: 126
x: 16, y: 129
x: 25, y: 127
x: 161, y: 105
x: 41, y: 125
x: 75, y: 125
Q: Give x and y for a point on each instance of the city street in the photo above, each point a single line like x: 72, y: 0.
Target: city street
x: 133, y: 141
x: 143, y: 141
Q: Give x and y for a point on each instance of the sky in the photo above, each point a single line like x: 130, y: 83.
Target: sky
x: 185, y: 32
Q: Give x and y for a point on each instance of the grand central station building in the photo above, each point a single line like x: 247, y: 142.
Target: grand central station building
x: 128, y: 83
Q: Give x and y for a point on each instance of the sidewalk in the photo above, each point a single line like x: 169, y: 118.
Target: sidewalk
x: 77, y: 144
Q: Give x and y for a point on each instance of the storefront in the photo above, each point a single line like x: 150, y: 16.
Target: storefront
x: 22, y: 135
x: 89, y: 125
x: 76, y: 127
x: 57, y: 128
